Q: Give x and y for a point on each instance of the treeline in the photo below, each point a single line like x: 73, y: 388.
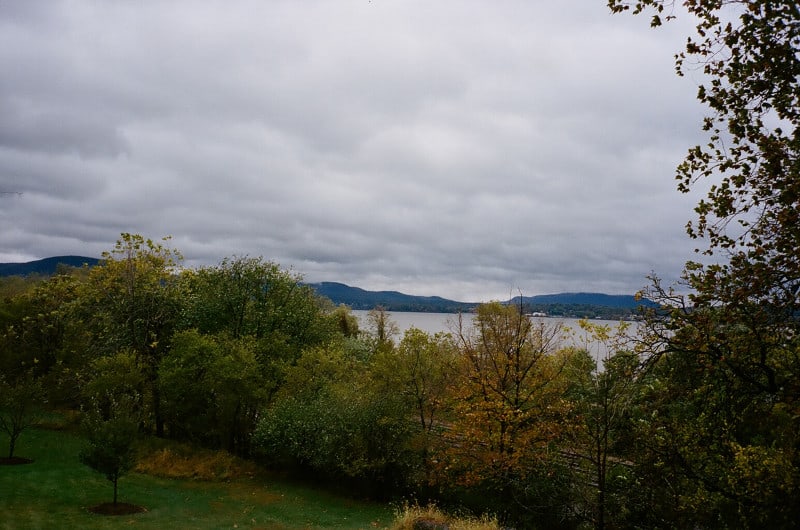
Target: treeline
x: 564, y: 305
x: 497, y: 416
x: 589, y: 311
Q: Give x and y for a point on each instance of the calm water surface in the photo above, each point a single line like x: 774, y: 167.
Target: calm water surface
x: 448, y: 322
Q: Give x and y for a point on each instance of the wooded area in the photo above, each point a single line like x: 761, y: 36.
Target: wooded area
x: 693, y: 422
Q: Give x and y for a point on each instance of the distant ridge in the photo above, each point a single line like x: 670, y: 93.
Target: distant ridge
x: 567, y: 305
x: 357, y: 298
x: 46, y: 266
x: 605, y: 300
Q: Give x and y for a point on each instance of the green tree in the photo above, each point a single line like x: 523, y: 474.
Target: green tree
x: 115, y: 378
x: 213, y: 389
x: 132, y: 302
x: 329, y: 420
x: 418, y: 373
x: 49, y: 339
x: 254, y: 297
x: 420, y: 370
x: 346, y: 321
x: 21, y: 404
x: 599, y: 422
x: 110, y: 436
x: 382, y: 329
x: 728, y: 354
x: 250, y: 297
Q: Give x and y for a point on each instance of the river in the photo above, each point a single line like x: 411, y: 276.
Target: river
x: 448, y: 323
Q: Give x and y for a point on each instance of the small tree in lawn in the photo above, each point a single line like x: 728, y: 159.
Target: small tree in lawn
x: 111, y: 430
x: 20, y: 407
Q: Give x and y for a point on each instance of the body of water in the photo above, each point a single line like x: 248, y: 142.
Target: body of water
x: 448, y: 322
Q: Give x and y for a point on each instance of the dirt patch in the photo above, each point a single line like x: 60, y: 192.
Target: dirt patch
x: 120, y: 508
x: 14, y: 461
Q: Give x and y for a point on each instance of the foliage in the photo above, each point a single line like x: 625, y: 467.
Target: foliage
x: 327, y: 420
x: 111, y: 430
x: 419, y: 370
x: 113, y: 377
x: 714, y: 438
x: 382, y: 329
x: 21, y: 404
x: 508, y: 413
x: 724, y: 427
x: 255, y: 308
x: 350, y: 438
x: 599, y: 422
x: 40, y: 332
x: 256, y: 298
x: 345, y: 321
x: 212, y: 387
x: 132, y: 301
x: 133, y: 296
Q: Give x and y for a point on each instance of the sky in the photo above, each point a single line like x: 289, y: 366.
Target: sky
x: 473, y: 150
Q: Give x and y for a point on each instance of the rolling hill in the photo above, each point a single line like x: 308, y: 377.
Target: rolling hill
x: 46, y: 266
x: 574, y: 305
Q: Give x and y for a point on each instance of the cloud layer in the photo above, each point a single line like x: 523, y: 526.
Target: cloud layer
x: 465, y: 149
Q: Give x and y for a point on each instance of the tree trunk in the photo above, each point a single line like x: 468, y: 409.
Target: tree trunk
x: 116, y: 478
x: 157, y: 409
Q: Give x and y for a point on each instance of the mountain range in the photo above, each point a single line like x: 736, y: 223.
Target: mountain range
x: 46, y: 266
x: 592, y: 305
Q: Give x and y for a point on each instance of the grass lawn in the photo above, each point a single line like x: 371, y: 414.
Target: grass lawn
x: 56, y: 491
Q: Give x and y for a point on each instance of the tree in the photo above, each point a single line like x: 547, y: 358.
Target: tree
x: 508, y: 397
x: 110, y: 435
x: 256, y: 299
x: 748, y: 52
x: 728, y: 355
x: 420, y: 370
x: 133, y: 302
x: 328, y: 419
x: 47, y: 337
x: 213, y: 389
x: 20, y: 406
x: 600, y: 402
x: 115, y: 378
x: 418, y: 373
x: 382, y: 329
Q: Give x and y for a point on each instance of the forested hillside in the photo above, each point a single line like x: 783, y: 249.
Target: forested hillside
x: 46, y: 266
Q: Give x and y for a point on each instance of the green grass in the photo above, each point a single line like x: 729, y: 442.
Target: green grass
x: 56, y: 491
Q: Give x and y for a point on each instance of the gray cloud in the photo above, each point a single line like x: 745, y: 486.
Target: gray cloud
x: 464, y: 149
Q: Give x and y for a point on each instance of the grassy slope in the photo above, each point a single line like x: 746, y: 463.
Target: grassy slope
x: 56, y: 490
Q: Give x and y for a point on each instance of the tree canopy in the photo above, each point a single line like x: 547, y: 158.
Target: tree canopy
x: 723, y: 432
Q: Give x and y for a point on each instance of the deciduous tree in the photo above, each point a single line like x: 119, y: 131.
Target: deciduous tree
x: 251, y: 297
x: 133, y: 301
x: 213, y: 389
x: 728, y: 354
x: 510, y: 392
x: 600, y: 400
x: 21, y: 405
x: 110, y: 436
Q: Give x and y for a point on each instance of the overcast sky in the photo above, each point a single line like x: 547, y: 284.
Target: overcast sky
x: 466, y: 149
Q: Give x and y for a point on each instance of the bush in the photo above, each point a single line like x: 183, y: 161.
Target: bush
x: 357, y: 438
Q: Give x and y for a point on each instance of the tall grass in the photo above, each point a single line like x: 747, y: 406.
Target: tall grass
x: 56, y: 491
x: 413, y: 517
